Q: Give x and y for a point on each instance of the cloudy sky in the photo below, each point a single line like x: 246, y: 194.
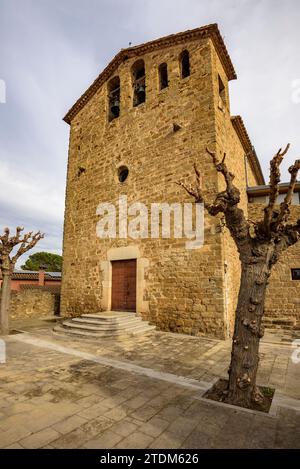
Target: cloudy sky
x: 51, y: 50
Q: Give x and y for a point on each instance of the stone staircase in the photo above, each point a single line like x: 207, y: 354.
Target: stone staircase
x: 105, y: 324
x: 280, y: 323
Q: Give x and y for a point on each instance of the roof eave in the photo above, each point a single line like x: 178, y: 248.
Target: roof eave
x: 250, y: 152
x: 258, y: 191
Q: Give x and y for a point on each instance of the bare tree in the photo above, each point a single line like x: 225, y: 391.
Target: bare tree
x: 7, y: 263
x: 260, y: 245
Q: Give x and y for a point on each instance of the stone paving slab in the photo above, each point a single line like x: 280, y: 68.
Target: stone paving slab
x: 51, y: 399
x: 199, y: 358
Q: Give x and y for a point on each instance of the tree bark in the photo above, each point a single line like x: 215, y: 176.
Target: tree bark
x: 260, y: 245
x: 4, y: 306
x: 248, y: 331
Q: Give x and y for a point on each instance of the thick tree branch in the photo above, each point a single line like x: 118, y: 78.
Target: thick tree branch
x: 274, y: 189
x: 225, y: 202
x: 4, y: 238
x: 196, y: 191
x: 229, y: 197
x: 28, y: 242
x: 285, y: 205
x: 7, y: 244
x: 288, y: 236
x: 16, y: 239
x: 228, y: 176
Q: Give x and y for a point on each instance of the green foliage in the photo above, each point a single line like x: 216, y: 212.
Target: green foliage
x: 268, y: 392
x: 52, y: 262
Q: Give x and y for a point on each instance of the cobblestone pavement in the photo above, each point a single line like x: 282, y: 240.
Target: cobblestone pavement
x: 52, y: 399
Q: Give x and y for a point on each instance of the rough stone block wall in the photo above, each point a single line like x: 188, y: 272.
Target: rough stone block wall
x: 228, y: 142
x: 184, y: 289
x: 32, y: 303
x: 283, y: 293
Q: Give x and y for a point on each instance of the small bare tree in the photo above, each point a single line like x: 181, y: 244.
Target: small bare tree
x: 260, y: 245
x: 7, y: 263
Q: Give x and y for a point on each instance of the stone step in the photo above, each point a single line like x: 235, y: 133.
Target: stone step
x: 84, y: 333
x: 100, y: 327
x: 102, y: 334
x: 109, y: 317
x: 117, y: 322
x: 278, y: 327
x: 101, y: 320
x: 277, y: 323
x: 284, y: 320
x: 110, y: 324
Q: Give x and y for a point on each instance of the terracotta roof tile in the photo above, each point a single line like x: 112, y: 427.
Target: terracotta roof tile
x: 34, y: 275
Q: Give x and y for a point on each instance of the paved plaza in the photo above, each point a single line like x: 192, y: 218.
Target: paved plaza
x: 138, y: 392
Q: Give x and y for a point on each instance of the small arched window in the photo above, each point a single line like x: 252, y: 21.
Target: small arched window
x: 113, y: 98
x: 163, y: 76
x: 138, y: 82
x: 185, y: 64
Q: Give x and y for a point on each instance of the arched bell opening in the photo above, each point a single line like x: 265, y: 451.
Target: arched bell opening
x: 113, y: 98
x: 138, y: 82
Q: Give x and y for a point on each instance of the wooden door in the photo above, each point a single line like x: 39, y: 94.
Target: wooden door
x: 123, y: 285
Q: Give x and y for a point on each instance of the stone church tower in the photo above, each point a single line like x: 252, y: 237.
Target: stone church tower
x: 137, y: 129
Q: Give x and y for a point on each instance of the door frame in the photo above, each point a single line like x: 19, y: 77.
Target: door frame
x: 142, y: 263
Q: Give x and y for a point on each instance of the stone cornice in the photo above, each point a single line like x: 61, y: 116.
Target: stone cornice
x: 211, y: 31
x: 242, y: 133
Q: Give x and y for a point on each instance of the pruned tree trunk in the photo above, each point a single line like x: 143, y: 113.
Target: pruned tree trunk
x: 247, y: 333
x: 4, y: 306
x: 259, y: 245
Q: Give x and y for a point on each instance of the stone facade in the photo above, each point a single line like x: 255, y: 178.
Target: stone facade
x: 180, y: 290
x: 33, y: 303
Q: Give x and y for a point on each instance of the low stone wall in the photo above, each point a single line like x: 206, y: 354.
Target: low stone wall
x: 33, y: 303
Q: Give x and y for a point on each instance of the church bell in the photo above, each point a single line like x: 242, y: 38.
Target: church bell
x: 115, y: 107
